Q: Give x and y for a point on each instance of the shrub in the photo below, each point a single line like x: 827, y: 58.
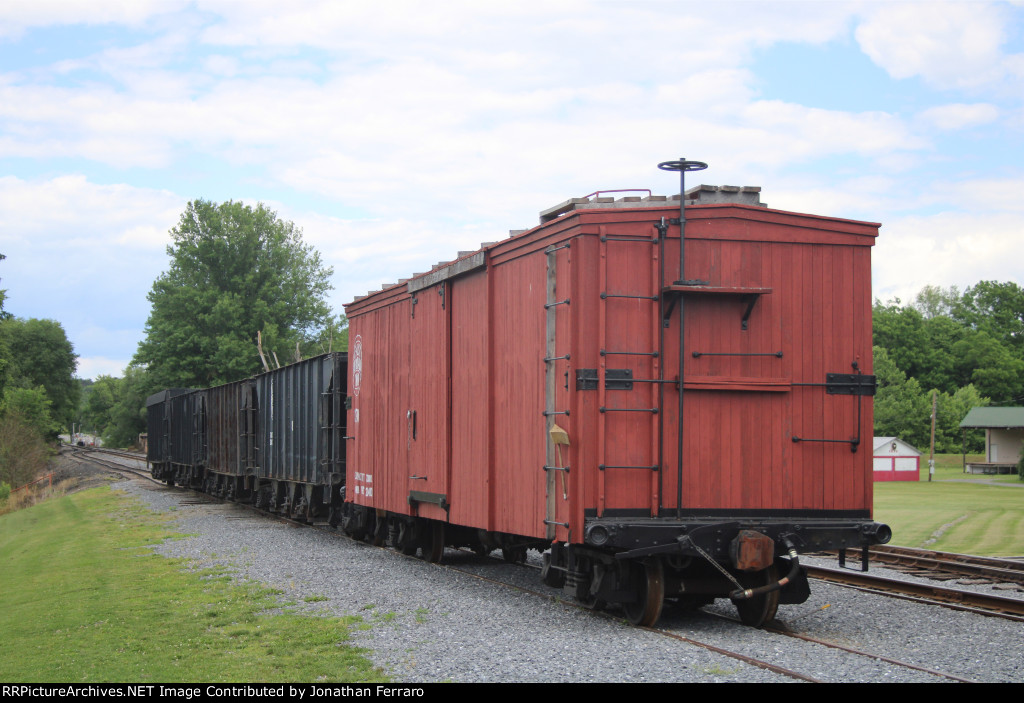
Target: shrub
x: 23, y: 453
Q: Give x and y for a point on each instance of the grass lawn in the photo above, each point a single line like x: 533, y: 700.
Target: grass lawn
x: 955, y: 512
x: 85, y: 600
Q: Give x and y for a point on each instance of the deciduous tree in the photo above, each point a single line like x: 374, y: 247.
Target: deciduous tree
x: 235, y: 270
x: 39, y: 354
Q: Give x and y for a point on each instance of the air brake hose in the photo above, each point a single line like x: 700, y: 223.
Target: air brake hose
x: 781, y: 583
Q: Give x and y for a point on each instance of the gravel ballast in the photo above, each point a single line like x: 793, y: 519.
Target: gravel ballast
x: 430, y: 623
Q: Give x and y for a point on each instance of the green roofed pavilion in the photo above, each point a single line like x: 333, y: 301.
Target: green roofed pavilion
x: 994, y: 417
x: 1004, y: 438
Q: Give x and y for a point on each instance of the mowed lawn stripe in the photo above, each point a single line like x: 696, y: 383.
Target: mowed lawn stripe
x: 86, y: 600
x: 969, y: 518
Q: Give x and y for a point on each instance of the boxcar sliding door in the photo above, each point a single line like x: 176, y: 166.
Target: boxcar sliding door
x: 427, y: 427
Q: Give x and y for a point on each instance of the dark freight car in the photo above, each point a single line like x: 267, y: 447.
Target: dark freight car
x: 300, y: 429
x: 188, y: 436
x: 161, y: 415
x: 230, y: 439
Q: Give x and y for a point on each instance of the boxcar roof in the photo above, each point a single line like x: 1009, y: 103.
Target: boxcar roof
x: 583, y: 215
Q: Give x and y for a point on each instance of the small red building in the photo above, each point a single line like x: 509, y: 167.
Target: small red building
x: 895, y: 460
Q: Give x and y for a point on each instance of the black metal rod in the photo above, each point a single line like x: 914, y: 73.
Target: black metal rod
x: 602, y: 467
x: 682, y: 166
x: 835, y: 441
x: 605, y: 352
x: 662, y: 228
x: 697, y: 354
x: 605, y: 296
x: 682, y: 339
x: 629, y: 410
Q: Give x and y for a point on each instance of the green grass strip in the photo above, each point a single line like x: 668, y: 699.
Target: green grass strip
x: 950, y: 516
x: 84, y: 599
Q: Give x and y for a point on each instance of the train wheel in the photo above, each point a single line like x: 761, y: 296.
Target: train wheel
x: 433, y: 548
x: 514, y: 555
x: 650, y: 593
x: 758, y: 610
x: 406, y: 538
x: 380, y: 532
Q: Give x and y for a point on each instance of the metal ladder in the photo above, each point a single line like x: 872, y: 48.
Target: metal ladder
x: 647, y: 391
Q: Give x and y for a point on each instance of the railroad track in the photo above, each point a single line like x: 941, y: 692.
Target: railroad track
x: 93, y: 455
x: 955, y: 598
x: 949, y: 566
x: 778, y: 630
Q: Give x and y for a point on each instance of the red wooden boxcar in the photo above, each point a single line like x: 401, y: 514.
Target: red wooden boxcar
x: 528, y: 395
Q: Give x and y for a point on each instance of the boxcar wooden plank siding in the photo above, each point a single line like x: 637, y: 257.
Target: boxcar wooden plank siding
x: 519, y: 345
x: 474, y: 373
x: 470, y: 426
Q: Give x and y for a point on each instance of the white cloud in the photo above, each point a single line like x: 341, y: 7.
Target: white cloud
x: 816, y: 132
x: 949, y: 44
x: 52, y: 210
x: 960, y: 115
x: 985, y: 195
x: 18, y: 15
x: 947, y: 249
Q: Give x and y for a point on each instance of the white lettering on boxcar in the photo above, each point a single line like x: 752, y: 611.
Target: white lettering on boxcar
x: 362, y: 484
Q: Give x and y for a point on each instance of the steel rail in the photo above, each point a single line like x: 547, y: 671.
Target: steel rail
x: 870, y: 655
x: 759, y: 663
x: 113, y: 466
x: 990, y: 568
x: 957, y: 599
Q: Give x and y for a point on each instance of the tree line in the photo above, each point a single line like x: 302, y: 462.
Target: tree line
x: 38, y: 392
x: 966, y: 346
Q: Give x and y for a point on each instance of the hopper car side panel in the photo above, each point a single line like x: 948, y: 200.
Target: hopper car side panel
x: 161, y: 416
x: 225, y: 434
x: 300, y: 430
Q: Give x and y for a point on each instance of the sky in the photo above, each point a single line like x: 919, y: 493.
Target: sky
x: 395, y: 134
